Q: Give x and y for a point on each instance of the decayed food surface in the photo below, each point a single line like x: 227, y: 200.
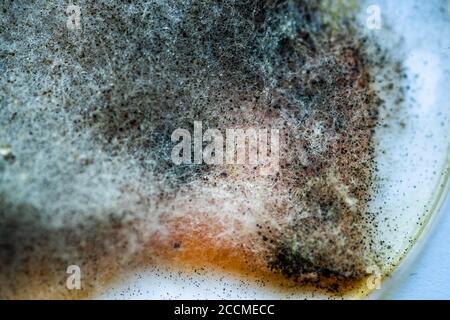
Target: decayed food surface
x: 88, y: 115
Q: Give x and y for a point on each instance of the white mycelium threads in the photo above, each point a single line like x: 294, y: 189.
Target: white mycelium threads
x: 88, y: 114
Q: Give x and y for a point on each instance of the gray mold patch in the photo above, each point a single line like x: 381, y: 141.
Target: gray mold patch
x: 88, y: 114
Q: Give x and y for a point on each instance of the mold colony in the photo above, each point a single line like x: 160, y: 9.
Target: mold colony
x: 89, y: 115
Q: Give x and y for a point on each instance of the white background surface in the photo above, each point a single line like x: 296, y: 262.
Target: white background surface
x: 425, y: 28
x: 428, y: 277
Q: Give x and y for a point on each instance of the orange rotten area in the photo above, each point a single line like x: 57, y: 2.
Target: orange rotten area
x: 198, y: 240
x: 197, y: 244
